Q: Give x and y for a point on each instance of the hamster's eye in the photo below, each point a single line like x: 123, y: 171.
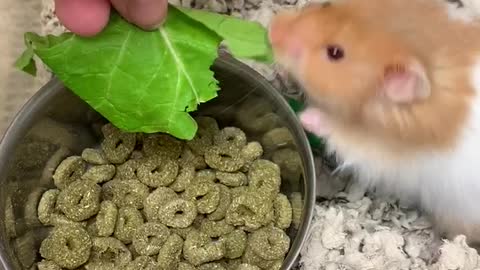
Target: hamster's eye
x: 335, y: 52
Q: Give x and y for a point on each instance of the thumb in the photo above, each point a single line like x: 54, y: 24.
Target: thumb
x: 147, y: 14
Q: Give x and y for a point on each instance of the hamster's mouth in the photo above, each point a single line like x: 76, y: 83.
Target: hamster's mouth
x: 286, y: 70
x: 318, y: 103
x: 292, y: 60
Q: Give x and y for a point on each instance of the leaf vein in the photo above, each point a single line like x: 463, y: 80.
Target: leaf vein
x: 121, y: 55
x: 181, y: 69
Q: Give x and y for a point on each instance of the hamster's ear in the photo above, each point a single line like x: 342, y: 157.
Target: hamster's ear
x: 405, y: 83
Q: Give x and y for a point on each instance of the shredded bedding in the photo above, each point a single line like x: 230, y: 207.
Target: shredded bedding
x: 351, y: 229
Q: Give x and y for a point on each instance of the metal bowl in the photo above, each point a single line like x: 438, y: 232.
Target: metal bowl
x: 55, y: 121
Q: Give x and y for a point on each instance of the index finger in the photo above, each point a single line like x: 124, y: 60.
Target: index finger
x: 147, y: 14
x: 83, y: 17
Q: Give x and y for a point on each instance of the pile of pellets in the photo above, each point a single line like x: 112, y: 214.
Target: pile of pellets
x: 154, y: 202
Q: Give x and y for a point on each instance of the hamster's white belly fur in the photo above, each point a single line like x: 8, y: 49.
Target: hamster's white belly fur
x: 445, y: 183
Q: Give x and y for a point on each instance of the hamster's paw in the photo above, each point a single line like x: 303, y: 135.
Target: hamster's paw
x: 315, y: 121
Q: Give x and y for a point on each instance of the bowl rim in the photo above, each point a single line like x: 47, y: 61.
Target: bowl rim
x: 23, y: 121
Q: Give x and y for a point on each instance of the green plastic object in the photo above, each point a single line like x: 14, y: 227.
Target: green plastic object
x: 315, y: 142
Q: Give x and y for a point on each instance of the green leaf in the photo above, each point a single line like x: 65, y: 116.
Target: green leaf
x: 141, y: 81
x: 148, y: 81
x: 26, y: 62
x: 245, y: 39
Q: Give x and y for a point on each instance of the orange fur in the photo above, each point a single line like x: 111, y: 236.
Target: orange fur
x: 376, y: 35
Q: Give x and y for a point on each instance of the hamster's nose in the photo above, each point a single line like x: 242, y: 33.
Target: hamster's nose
x: 283, y: 38
x: 277, y: 31
x: 280, y: 26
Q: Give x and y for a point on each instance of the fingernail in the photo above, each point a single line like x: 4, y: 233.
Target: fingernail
x: 148, y: 14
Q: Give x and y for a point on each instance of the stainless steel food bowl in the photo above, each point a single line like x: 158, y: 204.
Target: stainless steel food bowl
x: 55, y: 123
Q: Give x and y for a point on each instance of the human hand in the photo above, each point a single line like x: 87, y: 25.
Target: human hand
x: 89, y: 17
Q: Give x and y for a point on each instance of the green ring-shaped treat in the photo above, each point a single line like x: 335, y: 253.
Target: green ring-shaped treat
x: 264, y: 177
x: 297, y: 208
x: 276, y: 264
x: 290, y: 164
x: 235, y: 243
x: 94, y: 156
x: 224, y: 158
x: 133, y: 250
x: 99, y: 174
x: 188, y: 158
x: 237, y: 191
x: 288, y: 158
x: 137, y: 155
x: 52, y: 164
x: 184, y: 179
x: 48, y: 265
x: 235, y: 179
x: 205, y: 175
x: 162, y: 145
x: 57, y: 219
x: 80, y: 201
x: 46, y: 206
x: 125, y: 192
x: 233, y: 264
x: 250, y: 257
x: 225, y: 201
x: 157, y: 171
x: 157, y: 199
x: 282, y: 212
x: 182, y: 232
x: 186, y: 266
x: 108, y: 129
x: 70, y: 170
x: 211, y: 266
x: 207, y: 122
x: 129, y: 219
x: 92, y: 227
x: 106, y: 219
x: 250, y: 209
x: 205, y: 195
x: 110, y: 250
x: 257, y: 116
x: 149, y: 238
x: 203, y: 139
x: 251, y: 152
x: 117, y: 146
x: 142, y: 263
x: 10, y: 223
x: 31, y: 206
x: 129, y: 169
x: 67, y: 246
x: 280, y: 137
x: 25, y: 248
x: 199, y: 248
x: 230, y: 136
x: 178, y: 213
x: 169, y: 255
x: 201, y: 142
x: 100, y: 265
x: 216, y: 228
x: 246, y: 266
x: 270, y: 243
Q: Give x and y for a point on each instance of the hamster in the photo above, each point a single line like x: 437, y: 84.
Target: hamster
x: 393, y: 87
